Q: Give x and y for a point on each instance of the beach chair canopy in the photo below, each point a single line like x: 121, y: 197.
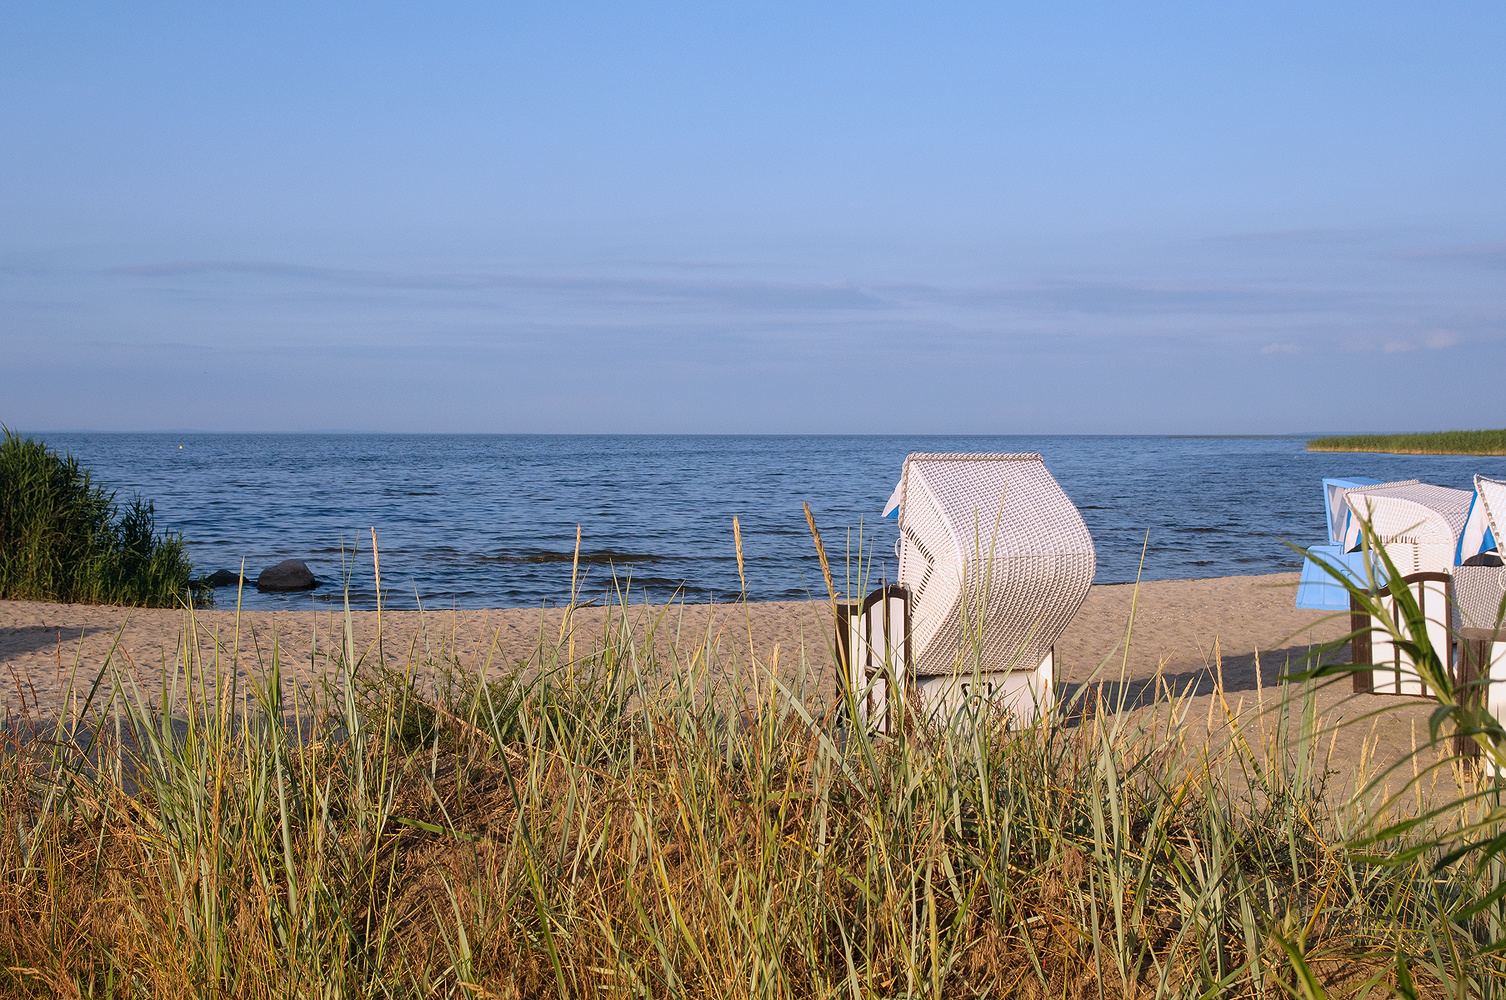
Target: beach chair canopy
x: 1421, y: 525
x: 1487, y: 518
x: 1335, y: 507
x: 992, y: 549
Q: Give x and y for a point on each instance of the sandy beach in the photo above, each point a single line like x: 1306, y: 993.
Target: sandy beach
x: 1243, y: 631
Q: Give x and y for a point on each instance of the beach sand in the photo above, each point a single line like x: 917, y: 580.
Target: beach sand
x: 1187, y: 633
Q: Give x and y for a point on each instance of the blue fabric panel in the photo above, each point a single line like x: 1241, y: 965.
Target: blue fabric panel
x: 1318, y: 590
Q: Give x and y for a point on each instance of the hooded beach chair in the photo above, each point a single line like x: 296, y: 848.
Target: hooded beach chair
x: 1422, y: 526
x: 1426, y: 531
x: 994, y: 561
x: 1480, y: 592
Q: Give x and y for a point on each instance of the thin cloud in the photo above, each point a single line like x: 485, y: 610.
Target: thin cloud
x: 1485, y: 254
x: 1281, y: 349
x: 1125, y: 299
x: 744, y: 294
x: 1439, y: 339
x: 1304, y: 236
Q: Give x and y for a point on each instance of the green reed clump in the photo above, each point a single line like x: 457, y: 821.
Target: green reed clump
x: 1492, y: 442
x: 62, y: 538
x: 615, y: 824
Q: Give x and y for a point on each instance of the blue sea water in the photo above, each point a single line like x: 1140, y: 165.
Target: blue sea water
x: 476, y: 521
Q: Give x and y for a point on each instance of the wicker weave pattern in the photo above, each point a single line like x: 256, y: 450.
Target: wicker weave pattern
x: 990, y: 547
x: 1338, y: 509
x: 1418, y: 523
x: 1477, y: 595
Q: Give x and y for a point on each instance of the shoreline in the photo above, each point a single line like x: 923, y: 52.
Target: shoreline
x: 1220, y: 644
x: 335, y: 601
x: 1177, y: 624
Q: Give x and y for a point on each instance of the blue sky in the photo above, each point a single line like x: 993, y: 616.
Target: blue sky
x: 925, y: 218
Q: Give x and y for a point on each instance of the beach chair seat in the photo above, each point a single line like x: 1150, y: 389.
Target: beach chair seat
x: 872, y: 640
x: 994, y: 561
x: 1427, y: 531
x: 1392, y: 669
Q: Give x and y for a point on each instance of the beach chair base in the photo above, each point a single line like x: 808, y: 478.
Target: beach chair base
x: 873, y: 646
x: 1481, y: 675
x: 873, y: 650
x: 1021, y: 695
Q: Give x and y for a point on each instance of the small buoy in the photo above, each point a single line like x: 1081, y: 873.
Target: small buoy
x: 180, y: 447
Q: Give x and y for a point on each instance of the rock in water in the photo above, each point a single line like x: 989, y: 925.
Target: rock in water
x: 223, y: 578
x: 290, y: 574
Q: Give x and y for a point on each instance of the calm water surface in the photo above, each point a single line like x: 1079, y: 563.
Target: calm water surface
x: 489, y: 521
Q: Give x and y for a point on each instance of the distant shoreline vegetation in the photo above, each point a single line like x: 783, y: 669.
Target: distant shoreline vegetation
x: 1436, y: 443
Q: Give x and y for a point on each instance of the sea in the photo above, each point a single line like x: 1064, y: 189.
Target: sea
x: 490, y: 521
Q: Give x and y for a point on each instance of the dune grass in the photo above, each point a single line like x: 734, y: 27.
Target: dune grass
x: 1435, y: 443
x: 611, y: 822
x: 62, y: 538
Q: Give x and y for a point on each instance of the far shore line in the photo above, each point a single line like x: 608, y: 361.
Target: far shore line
x: 1478, y: 444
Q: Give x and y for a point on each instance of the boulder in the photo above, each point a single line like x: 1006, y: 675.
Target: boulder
x: 290, y: 574
x: 223, y: 578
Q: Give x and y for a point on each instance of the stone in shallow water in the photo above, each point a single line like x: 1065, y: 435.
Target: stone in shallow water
x: 290, y: 574
x: 223, y: 578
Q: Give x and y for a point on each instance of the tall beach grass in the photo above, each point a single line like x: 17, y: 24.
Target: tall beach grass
x: 606, y: 820
x: 63, y: 538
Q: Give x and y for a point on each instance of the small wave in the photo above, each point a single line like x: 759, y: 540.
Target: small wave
x: 600, y: 557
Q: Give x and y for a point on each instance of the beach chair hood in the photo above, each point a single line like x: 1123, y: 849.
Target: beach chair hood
x: 1487, y: 518
x: 1336, y: 509
x: 992, y: 548
x: 1420, y: 524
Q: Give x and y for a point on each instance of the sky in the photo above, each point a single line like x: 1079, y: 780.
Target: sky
x: 804, y: 218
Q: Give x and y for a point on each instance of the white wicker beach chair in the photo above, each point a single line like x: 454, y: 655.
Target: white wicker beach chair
x: 1422, y: 528
x: 1418, y: 524
x: 1480, y: 595
x: 994, y: 561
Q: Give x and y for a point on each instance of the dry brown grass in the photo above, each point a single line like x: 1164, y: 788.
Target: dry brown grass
x: 610, y: 827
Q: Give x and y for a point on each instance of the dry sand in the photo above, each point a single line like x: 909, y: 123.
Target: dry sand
x: 1190, y: 632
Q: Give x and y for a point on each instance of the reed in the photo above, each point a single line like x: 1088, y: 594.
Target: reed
x: 613, y: 823
x: 62, y: 538
x: 1435, y: 443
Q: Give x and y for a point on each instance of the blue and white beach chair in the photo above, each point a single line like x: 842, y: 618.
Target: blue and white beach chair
x: 1317, y: 590
x: 1425, y: 528
x: 1433, y: 537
